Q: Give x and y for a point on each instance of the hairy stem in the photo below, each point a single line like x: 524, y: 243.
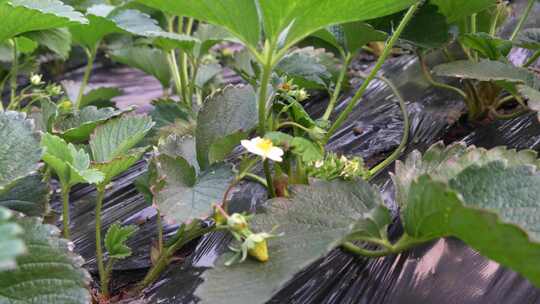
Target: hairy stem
x: 337, y: 90
x: 533, y: 59
x: 188, y: 233
x: 473, y: 31
x: 522, y: 20
x: 406, y: 129
x: 179, y: 82
x: 292, y: 124
x: 14, y: 73
x: 256, y: 178
x: 263, y: 87
x: 386, y: 52
x: 91, y: 56
x: 404, y: 243
x: 184, y: 62
x: 351, y: 248
x: 495, y: 21
x: 269, y: 182
x: 159, y: 224
x: 99, y: 249
x: 433, y: 82
x: 65, y: 212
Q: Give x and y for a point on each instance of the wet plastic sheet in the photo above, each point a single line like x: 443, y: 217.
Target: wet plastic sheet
x: 444, y: 272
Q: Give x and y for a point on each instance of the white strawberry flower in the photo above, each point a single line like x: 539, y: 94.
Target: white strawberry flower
x: 264, y: 148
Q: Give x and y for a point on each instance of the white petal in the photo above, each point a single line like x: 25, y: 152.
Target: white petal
x: 251, y: 146
x: 275, y: 154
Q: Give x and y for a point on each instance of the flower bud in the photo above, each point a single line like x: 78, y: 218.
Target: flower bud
x: 257, y: 246
x: 237, y: 222
x: 35, y: 79
x: 219, y: 217
x: 65, y: 106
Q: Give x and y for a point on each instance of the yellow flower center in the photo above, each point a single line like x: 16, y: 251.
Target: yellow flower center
x: 265, y: 145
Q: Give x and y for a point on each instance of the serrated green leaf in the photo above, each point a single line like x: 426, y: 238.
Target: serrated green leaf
x: 529, y: 39
x: 358, y: 34
x: 118, y: 136
x: 305, y: 69
x: 113, y: 167
x: 28, y: 195
x: 186, y: 195
x: 26, y: 45
x: 167, y: 112
x: 78, y: 126
x: 244, y: 22
x: 443, y: 163
x: 206, y: 73
x: 314, y: 220
x: 306, y: 149
x: 48, y: 273
x: 287, y: 20
x: 490, y: 47
x: 19, y: 147
x: 21, y: 16
x: 71, y: 165
x: 427, y: 16
x: 170, y: 41
x: 456, y: 10
x: 106, y: 19
x: 493, y: 208
x: 279, y: 138
x: 57, y: 40
x: 11, y: 244
x: 100, y: 97
x: 149, y: 60
x: 116, y: 238
x: 294, y: 20
x: 532, y: 96
x: 220, y: 149
x: 487, y: 70
x: 234, y: 109
x: 208, y: 36
x: 180, y: 146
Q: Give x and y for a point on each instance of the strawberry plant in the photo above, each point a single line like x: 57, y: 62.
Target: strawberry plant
x: 203, y: 138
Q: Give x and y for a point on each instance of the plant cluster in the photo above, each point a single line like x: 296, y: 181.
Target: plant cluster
x: 203, y: 138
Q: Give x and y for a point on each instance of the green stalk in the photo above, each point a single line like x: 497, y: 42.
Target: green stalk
x: 173, y: 65
x: 91, y: 56
x: 184, y: 79
x: 337, y: 90
x: 292, y: 124
x: 386, y: 52
x: 65, y: 212
x: 473, y: 31
x: 433, y: 82
x: 263, y: 90
x: 159, y: 224
x: 533, y: 59
x: 184, y: 61
x: 256, y: 178
x: 404, y: 243
x: 406, y: 129
x: 522, y: 20
x: 14, y: 73
x: 99, y: 249
x: 189, y: 232
x: 351, y: 248
x: 495, y: 20
x: 269, y: 182
x: 171, y: 57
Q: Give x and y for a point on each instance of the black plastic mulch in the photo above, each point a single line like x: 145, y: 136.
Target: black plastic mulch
x: 444, y: 272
